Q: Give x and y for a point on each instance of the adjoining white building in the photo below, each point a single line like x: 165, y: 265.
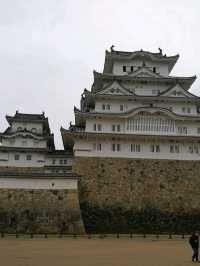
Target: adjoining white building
x: 28, y: 158
x: 28, y: 142
x: 136, y: 109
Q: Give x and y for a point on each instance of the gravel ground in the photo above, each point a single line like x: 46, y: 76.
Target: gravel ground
x: 94, y: 252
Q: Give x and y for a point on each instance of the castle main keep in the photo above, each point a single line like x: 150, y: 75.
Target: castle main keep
x: 134, y: 147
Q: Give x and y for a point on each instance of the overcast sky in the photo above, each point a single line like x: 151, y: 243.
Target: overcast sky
x: 49, y: 48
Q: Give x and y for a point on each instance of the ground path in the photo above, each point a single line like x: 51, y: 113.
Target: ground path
x: 94, y: 252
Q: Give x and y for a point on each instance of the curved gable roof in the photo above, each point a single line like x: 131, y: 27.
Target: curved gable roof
x: 112, y: 90
x: 178, y: 88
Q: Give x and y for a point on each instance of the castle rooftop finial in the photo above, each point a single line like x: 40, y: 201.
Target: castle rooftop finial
x: 160, y: 50
x: 112, y: 48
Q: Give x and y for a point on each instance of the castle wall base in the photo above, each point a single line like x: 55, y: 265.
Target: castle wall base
x: 124, y: 195
x: 40, y: 211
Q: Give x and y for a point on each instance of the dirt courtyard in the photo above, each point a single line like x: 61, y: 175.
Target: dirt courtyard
x: 94, y: 252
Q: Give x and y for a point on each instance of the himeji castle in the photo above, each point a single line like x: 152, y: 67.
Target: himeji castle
x: 137, y: 109
x: 130, y: 161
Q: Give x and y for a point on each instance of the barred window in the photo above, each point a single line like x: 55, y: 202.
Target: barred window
x: 155, y: 148
x: 28, y: 157
x: 116, y: 147
x: 99, y: 127
x: 108, y: 106
x: 17, y: 157
x: 99, y: 146
x: 135, y: 148
x: 174, y: 148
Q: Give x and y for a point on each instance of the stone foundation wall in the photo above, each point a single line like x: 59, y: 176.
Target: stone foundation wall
x: 123, y: 195
x: 40, y: 211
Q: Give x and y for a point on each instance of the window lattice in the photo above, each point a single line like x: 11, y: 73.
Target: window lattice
x: 150, y: 123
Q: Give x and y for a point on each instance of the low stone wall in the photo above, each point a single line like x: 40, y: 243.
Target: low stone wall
x: 40, y: 211
x: 123, y: 195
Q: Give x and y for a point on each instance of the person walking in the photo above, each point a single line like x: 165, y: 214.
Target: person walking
x: 194, y: 242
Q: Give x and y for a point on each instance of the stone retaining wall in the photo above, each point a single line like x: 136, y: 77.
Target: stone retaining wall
x: 40, y: 211
x: 139, y: 195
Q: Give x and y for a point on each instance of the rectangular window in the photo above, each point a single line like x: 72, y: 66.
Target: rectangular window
x: 198, y: 130
x: 121, y: 107
x: 17, y: 157
x: 99, y: 127
x: 183, y: 109
x: 135, y: 148
x: 132, y: 69
x: 152, y: 148
x: 53, y: 161
x: 65, y: 161
x: 189, y: 110
x: 177, y: 148
x: 28, y: 157
x: 99, y: 146
x: 113, y: 128
x: 118, y: 128
x: 113, y: 147
x: 103, y: 107
x: 108, y: 106
x: 124, y: 68
x: 154, y: 69
x: 61, y: 161
x: 172, y: 148
x: 116, y: 147
x: 95, y: 127
x: 155, y: 148
x: 193, y: 148
x: 182, y: 130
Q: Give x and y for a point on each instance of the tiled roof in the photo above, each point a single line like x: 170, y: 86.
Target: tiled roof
x: 29, y: 116
x: 99, y: 79
x: 26, y: 117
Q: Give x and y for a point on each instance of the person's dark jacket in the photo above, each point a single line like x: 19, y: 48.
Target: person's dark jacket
x: 194, y: 241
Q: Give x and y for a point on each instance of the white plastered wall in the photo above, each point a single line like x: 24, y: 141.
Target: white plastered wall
x: 86, y: 149
x: 162, y: 68
x: 29, y: 126
x: 35, y: 184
